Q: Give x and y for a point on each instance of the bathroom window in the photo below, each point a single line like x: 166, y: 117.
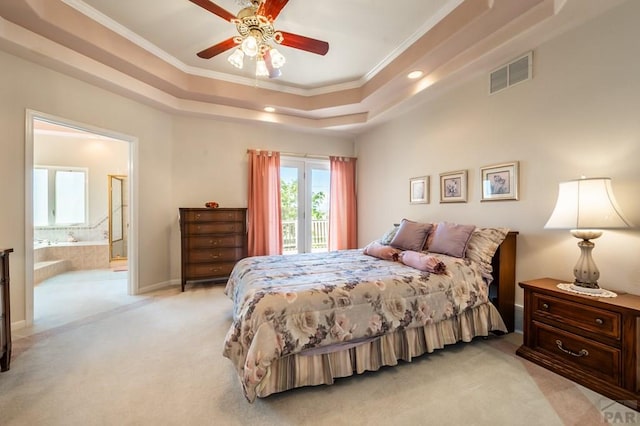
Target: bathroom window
x: 59, y: 196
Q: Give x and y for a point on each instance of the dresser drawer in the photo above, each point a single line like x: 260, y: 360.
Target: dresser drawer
x: 214, y: 241
x: 598, y: 321
x: 593, y: 358
x: 213, y: 215
x: 201, y: 228
x: 195, y: 271
x: 215, y: 254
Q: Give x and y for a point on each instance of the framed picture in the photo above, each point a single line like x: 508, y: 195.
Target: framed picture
x: 419, y: 190
x: 453, y: 187
x: 500, y: 182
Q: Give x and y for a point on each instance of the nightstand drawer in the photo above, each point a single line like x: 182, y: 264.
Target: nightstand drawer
x: 598, y: 321
x: 593, y: 358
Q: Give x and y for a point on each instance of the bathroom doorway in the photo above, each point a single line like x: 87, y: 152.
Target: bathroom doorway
x: 68, y: 251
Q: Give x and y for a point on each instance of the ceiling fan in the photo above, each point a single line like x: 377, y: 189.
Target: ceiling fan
x: 255, y: 26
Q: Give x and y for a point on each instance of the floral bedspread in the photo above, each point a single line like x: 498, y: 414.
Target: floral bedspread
x: 288, y: 304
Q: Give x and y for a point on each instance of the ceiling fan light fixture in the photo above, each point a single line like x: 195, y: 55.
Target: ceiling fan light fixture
x: 250, y: 46
x: 261, y: 68
x: 236, y: 58
x: 256, y: 33
x: 277, y: 58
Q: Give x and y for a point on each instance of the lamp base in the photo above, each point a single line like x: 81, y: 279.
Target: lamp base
x: 590, y: 290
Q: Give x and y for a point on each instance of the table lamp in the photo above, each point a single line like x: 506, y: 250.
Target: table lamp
x: 586, y: 206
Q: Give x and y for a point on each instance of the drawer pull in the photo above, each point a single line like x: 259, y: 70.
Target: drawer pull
x: 545, y: 305
x: 583, y: 352
x: 197, y: 215
x: 214, y: 256
x: 599, y: 321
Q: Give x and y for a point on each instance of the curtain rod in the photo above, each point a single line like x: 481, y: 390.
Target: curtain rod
x: 294, y: 154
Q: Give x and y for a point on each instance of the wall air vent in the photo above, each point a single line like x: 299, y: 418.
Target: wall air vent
x: 514, y: 72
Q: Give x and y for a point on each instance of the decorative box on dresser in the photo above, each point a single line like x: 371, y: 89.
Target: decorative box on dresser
x: 212, y: 241
x: 5, y: 311
x: 593, y: 341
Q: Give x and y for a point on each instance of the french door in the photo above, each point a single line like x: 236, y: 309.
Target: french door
x: 304, y: 191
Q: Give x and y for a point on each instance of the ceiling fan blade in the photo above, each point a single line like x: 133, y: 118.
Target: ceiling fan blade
x: 217, y: 49
x: 215, y: 9
x: 305, y: 43
x: 272, y: 8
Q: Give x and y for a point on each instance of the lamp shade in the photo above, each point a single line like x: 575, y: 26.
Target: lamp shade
x: 586, y: 204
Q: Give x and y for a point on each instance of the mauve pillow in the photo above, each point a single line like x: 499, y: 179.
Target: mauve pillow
x: 380, y: 251
x: 411, y: 235
x: 422, y: 261
x: 451, y: 239
x: 430, y: 237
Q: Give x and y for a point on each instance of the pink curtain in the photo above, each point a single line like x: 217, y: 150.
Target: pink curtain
x: 265, y: 226
x: 343, y: 224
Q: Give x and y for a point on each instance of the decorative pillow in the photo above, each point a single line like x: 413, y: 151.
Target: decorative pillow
x: 380, y: 251
x: 411, y: 235
x: 388, y: 236
x: 451, y: 239
x: 422, y: 261
x: 430, y: 237
x: 483, y: 245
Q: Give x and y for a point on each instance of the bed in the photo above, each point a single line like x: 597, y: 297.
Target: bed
x: 307, y: 319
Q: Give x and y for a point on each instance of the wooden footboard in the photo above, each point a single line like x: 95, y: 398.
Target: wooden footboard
x: 503, y: 288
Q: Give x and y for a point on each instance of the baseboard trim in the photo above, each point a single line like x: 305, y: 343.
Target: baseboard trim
x: 18, y: 325
x: 159, y: 286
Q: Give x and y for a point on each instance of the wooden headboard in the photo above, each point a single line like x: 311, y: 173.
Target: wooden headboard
x: 503, y: 288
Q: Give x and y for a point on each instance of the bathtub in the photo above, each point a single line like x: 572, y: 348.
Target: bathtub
x: 53, y: 258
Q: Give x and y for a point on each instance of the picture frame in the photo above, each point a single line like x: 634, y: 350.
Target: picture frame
x: 453, y: 187
x: 500, y: 181
x: 419, y: 190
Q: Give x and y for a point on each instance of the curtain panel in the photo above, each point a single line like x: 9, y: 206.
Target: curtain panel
x: 343, y: 224
x: 264, y: 217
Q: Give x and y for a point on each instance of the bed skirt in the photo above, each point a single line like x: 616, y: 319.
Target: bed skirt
x: 299, y: 370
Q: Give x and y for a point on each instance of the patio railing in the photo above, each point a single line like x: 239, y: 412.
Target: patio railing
x: 319, y: 235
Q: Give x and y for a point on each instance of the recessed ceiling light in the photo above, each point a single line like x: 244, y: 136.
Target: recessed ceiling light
x: 415, y: 74
x: 269, y: 109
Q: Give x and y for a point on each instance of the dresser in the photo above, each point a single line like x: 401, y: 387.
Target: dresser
x: 212, y: 241
x: 5, y: 311
x: 593, y: 341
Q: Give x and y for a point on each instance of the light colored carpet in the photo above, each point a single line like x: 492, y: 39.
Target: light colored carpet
x: 156, y: 360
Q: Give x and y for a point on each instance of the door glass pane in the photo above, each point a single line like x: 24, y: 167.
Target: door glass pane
x: 289, y: 203
x: 319, y: 209
x: 70, y: 195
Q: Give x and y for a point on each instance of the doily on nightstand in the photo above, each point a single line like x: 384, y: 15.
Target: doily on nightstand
x: 574, y: 289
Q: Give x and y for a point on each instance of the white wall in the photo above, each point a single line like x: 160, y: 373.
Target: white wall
x: 182, y: 162
x: 579, y: 115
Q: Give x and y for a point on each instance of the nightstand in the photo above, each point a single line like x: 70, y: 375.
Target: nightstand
x: 593, y: 341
